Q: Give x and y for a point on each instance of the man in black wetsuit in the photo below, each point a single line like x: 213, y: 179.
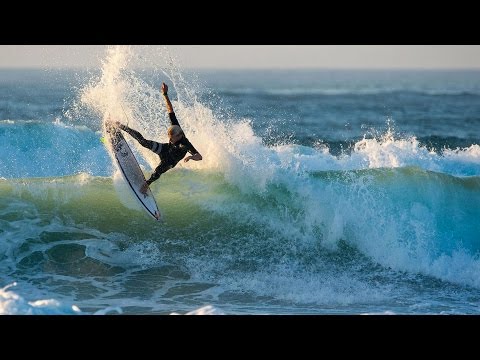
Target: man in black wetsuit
x: 170, y: 153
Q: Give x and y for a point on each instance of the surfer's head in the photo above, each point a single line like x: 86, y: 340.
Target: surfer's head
x: 175, y: 133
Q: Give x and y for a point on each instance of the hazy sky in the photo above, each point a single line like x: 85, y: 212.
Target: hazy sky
x: 256, y: 56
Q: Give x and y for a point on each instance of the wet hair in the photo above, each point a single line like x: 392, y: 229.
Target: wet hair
x: 174, y: 130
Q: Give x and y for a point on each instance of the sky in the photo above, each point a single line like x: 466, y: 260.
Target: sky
x: 256, y: 56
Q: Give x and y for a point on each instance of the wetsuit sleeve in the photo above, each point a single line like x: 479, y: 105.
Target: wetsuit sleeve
x: 173, y: 119
x: 190, y: 147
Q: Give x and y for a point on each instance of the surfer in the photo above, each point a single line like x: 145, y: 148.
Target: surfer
x: 170, y: 153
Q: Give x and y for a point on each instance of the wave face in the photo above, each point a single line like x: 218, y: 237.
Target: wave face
x: 307, y: 200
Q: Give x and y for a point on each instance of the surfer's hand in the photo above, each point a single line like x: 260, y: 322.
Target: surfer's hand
x: 164, y: 89
x: 144, y: 188
x: 196, y: 157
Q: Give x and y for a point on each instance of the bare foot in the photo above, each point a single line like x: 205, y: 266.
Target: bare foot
x: 108, y: 126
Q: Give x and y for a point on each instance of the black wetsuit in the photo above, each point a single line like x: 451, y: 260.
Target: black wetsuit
x: 170, y: 154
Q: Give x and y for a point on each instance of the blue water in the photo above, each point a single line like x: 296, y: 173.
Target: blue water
x: 319, y: 192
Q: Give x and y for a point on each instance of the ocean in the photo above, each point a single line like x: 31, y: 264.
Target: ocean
x: 320, y: 192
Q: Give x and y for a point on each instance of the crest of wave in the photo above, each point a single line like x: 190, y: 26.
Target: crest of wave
x: 387, y: 151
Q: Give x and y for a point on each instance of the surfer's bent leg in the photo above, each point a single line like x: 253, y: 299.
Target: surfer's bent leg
x: 149, y: 144
x: 159, y: 171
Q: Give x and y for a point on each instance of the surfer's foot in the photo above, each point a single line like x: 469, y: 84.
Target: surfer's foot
x: 109, y: 126
x: 144, y: 189
x: 120, y: 126
x: 113, y: 125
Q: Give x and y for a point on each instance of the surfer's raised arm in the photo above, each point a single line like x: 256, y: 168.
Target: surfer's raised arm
x: 167, y: 100
x: 171, y: 113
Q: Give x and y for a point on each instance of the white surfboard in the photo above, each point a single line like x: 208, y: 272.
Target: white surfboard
x: 131, y: 171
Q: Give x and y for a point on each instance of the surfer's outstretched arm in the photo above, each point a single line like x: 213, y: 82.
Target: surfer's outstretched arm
x: 167, y: 100
x: 171, y: 113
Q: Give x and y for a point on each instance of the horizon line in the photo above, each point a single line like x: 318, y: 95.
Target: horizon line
x: 323, y: 68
